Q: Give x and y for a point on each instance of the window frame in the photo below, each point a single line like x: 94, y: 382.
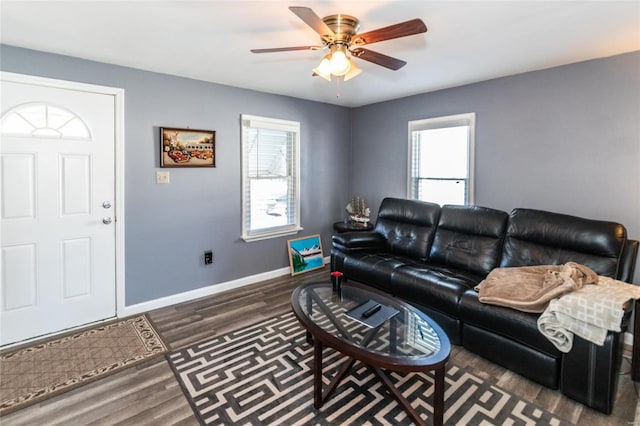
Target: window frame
x: 57, y: 132
x: 252, y: 121
x: 466, y: 119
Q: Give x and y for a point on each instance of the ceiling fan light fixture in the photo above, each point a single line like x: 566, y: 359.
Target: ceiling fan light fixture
x: 353, y: 71
x: 324, y: 69
x: 340, y: 63
x: 339, y: 33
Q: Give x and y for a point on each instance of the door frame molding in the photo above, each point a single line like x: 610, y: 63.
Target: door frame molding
x: 118, y: 96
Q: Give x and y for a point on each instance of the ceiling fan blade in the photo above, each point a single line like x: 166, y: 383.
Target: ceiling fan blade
x: 403, y: 29
x: 286, y: 49
x: 311, y: 19
x: 378, y: 58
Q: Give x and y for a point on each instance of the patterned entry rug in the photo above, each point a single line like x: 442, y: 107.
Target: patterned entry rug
x: 263, y: 375
x: 33, y: 373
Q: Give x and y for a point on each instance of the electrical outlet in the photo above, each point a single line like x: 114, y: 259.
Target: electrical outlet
x: 208, y: 257
x: 162, y: 178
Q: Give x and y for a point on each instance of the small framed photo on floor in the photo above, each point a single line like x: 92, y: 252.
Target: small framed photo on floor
x: 305, y: 254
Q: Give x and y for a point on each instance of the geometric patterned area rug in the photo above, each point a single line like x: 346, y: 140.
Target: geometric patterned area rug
x: 263, y: 375
x: 33, y: 373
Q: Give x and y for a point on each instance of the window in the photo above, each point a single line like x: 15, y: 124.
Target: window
x: 43, y: 121
x: 270, y: 177
x: 441, y: 152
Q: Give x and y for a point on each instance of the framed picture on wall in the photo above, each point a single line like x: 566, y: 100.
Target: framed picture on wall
x: 305, y: 254
x: 187, y: 147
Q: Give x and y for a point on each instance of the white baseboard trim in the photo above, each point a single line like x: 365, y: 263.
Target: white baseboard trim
x: 203, y: 292
x: 200, y: 292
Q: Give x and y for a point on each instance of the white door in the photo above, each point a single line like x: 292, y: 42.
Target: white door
x: 57, y: 231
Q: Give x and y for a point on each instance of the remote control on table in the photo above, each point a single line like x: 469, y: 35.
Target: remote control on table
x: 371, y: 311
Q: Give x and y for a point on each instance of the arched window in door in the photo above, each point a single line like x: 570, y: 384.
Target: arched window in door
x: 43, y: 120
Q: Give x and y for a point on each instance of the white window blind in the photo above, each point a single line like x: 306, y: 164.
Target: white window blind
x: 441, y: 152
x: 270, y: 177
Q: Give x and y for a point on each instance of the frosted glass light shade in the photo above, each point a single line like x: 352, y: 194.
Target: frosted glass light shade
x: 353, y: 71
x: 340, y: 64
x: 324, y: 69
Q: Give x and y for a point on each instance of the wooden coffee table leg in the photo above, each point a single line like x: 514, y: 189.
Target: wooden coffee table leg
x: 344, y: 370
x: 635, y: 355
x: 438, y: 397
x: 395, y: 393
x: 317, y: 373
x: 319, y: 397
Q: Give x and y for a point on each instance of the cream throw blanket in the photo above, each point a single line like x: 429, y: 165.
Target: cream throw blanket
x: 589, y: 312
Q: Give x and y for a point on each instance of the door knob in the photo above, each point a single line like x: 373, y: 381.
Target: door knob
x: 106, y: 220
x: 106, y: 204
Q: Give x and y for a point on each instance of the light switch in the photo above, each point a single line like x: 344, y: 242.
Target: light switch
x: 162, y: 178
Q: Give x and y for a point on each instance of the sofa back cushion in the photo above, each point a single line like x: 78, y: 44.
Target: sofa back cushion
x: 469, y: 238
x: 537, y: 237
x: 407, y: 226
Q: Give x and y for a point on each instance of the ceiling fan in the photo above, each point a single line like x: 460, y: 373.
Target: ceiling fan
x: 339, y: 34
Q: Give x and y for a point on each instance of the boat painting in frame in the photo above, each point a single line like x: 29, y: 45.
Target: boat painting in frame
x: 305, y: 254
x: 187, y: 147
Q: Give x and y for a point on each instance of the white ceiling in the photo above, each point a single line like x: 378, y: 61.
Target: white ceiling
x: 210, y: 40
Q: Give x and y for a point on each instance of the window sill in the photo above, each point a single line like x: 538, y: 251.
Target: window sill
x: 271, y: 234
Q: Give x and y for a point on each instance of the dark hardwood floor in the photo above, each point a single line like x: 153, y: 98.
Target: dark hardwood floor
x: 148, y: 394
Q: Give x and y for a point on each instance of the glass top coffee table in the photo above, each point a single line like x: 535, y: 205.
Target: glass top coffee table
x: 393, y: 336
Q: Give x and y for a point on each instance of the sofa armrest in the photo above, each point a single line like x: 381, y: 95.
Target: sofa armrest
x: 359, y: 241
x: 627, y: 263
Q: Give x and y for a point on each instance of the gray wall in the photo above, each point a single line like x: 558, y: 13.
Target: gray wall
x: 565, y: 139
x: 169, y: 226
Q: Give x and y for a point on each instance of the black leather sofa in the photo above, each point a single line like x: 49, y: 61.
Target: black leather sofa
x: 432, y: 257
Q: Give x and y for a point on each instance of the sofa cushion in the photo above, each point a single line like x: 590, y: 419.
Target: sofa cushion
x: 537, y: 237
x: 469, y: 238
x: 373, y: 268
x: 515, y: 325
x: 407, y: 225
x: 437, y: 286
